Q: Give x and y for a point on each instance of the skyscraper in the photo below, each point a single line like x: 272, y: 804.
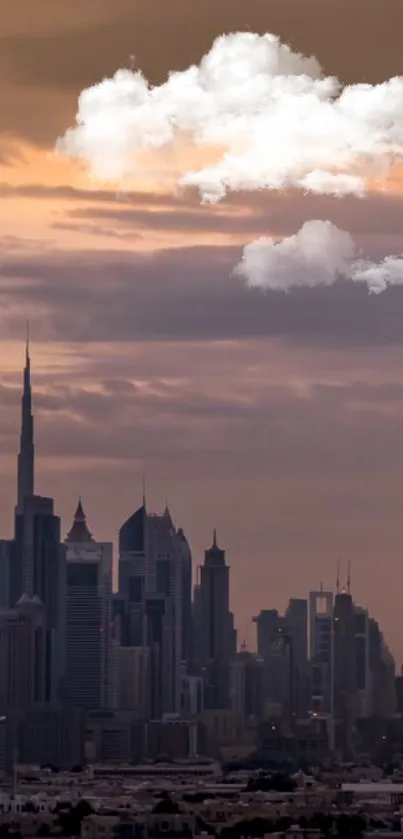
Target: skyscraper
x: 296, y: 620
x: 25, y: 484
x: 163, y: 588
x: 36, y: 557
x: 23, y: 654
x: 153, y: 607
x: 90, y: 662
x: 26, y: 456
x: 215, y: 626
x: 130, y: 604
x: 321, y: 649
x: 187, y: 616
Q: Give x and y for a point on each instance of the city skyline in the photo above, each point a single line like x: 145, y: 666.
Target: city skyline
x: 161, y: 650
x: 79, y: 533
x: 279, y: 421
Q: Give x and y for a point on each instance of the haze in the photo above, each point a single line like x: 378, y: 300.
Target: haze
x: 277, y: 419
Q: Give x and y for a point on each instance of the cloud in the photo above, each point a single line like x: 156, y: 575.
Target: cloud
x: 317, y: 255
x: 181, y: 294
x: 269, y: 116
x: 97, y: 230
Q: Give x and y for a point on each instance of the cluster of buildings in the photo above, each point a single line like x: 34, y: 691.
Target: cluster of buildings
x: 92, y: 675
x: 85, y: 805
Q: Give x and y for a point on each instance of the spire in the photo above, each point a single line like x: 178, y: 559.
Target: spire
x: 215, y: 555
x: 167, y: 513
x: 79, y: 531
x: 144, y: 490
x: 26, y: 454
x: 349, y: 577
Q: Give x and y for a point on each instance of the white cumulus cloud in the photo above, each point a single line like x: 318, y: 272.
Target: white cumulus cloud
x: 274, y: 119
x: 318, y: 254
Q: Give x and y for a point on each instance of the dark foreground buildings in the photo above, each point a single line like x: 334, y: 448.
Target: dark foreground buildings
x: 88, y: 674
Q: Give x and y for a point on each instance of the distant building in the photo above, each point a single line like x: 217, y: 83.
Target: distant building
x: 37, y: 559
x: 192, y: 695
x: 274, y: 645
x: 153, y: 608
x: 90, y: 667
x: 133, y: 679
x: 187, y: 633
x: 23, y: 637
x: 296, y: 622
x: 321, y: 650
x: 362, y: 663
x: 246, y: 686
x: 215, y: 630
x: 5, y: 558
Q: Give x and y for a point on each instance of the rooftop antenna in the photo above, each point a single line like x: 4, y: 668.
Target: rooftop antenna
x: 349, y: 577
x: 27, y: 344
x: 244, y: 645
x: 144, y: 489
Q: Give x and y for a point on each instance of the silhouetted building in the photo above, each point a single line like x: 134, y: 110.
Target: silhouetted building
x: 5, y: 560
x: 321, y: 650
x: 133, y: 679
x: 214, y: 631
x: 345, y: 701
x: 23, y: 635
x: 246, y: 685
x: 296, y: 621
x: 187, y: 616
x: 274, y: 644
x: 90, y: 663
x: 42, y: 559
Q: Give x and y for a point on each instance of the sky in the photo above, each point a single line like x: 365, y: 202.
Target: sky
x: 277, y: 419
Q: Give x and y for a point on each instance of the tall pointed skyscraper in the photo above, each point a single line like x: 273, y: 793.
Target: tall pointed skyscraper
x: 26, y: 453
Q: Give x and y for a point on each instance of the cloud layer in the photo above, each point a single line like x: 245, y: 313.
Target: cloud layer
x: 267, y: 115
x: 317, y: 255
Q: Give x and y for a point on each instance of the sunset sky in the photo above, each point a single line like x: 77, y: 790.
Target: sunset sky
x: 277, y: 419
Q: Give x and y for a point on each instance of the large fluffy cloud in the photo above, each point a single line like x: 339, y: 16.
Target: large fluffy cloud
x: 266, y: 116
x: 317, y: 255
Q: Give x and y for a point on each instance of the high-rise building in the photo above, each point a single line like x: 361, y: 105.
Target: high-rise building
x: 40, y: 559
x: 345, y: 684
x: 345, y: 693
x: 267, y: 623
x: 152, y: 607
x: 382, y: 670
x: 90, y: 680
x: 187, y: 615
x: 26, y: 456
x: 296, y: 620
x: 129, y: 605
x: 23, y: 654
x: 133, y: 678
x: 321, y: 650
x: 246, y: 685
x: 215, y: 631
x: 25, y: 483
x: 362, y: 663
x: 274, y: 646
x: 5, y: 561
x: 36, y: 557
x: 164, y: 602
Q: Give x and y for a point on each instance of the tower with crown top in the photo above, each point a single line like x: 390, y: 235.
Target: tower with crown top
x: 215, y: 633
x: 90, y: 662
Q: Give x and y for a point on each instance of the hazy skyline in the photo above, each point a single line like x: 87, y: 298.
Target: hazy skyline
x: 279, y: 420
